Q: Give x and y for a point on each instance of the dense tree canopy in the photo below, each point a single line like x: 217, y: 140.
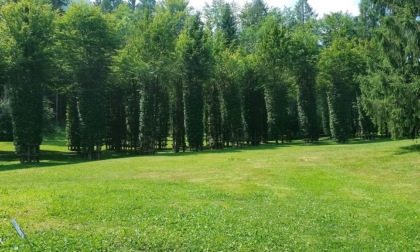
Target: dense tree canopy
x: 339, y: 65
x: 391, y: 90
x: 88, y: 37
x: 27, y: 32
x: 135, y: 74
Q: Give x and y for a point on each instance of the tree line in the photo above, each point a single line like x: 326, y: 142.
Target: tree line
x: 133, y: 74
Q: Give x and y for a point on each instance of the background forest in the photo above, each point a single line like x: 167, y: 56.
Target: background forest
x: 134, y: 74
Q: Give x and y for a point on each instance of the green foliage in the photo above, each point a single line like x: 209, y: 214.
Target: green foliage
x: 365, y: 124
x: 369, y: 18
x: 156, y: 46
x: 134, y: 73
x: 89, y: 38
x: 73, y: 124
x: 6, y: 45
x: 110, y: 5
x: 115, y: 118
x: 273, y: 50
x: 193, y: 58
x: 392, y: 104
x: 253, y: 13
x: 6, y: 131
x: 223, y: 105
x: 252, y: 17
x: 213, y: 116
x: 127, y: 73
x: 391, y: 90
x: 27, y: 27
x: 228, y: 77
x: 229, y: 26
x: 337, y: 25
x: 146, y: 5
x: 220, y: 17
x: 254, y: 112
x: 325, y: 115
x: 133, y: 115
x: 305, y: 53
x: 47, y: 116
x: 304, y: 12
x: 339, y: 66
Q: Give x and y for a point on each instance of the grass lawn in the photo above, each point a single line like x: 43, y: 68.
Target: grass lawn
x: 362, y: 196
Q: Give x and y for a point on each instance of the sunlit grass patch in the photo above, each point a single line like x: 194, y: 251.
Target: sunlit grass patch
x: 359, y: 196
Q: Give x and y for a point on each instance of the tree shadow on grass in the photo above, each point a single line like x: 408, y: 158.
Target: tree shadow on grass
x: 356, y: 141
x: 50, y: 158
x: 272, y: 146
x: 47, y: 159
x: 7, y: 156
x: 414, y: 148
x: 54, y: 154
x: 230, y: 149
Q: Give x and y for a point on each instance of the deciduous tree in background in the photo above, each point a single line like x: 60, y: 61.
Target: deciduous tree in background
x: 88, y: 36
x: 304, y: 53
x: 193, y: 56
x: 135, y: 74
x: 27, y: 28
x: 273, y: 52
x: 339, y: 66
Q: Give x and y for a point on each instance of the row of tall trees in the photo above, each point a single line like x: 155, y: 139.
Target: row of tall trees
x: 135, y: 74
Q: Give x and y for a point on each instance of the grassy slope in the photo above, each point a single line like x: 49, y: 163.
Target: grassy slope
x: 360, y: 196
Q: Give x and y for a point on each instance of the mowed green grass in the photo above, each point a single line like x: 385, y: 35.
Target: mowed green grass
x: 362, y: 196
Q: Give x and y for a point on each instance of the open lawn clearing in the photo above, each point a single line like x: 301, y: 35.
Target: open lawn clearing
x: 355, y: 197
